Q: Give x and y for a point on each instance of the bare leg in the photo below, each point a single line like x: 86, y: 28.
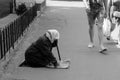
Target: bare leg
x: 100, y: 32
x: 100, y: 36
x: 91, y: 34
x: 91, y: 22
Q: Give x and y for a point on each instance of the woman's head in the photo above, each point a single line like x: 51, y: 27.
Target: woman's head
x: 53, y: 35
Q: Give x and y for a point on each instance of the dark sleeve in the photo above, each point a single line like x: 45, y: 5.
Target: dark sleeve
x: 47, y: 53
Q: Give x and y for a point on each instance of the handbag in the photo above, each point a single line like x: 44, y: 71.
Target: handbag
x: 115, y: 33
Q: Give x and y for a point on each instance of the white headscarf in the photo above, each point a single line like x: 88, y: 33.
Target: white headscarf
x: 52, y: 35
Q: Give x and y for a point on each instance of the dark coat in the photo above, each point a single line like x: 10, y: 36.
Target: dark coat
x: 40, y: 53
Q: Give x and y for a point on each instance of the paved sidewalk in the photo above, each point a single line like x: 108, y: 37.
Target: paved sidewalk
x: 86, y: 64
x: 51, y: 18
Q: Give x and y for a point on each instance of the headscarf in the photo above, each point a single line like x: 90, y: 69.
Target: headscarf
x: 52, y: 35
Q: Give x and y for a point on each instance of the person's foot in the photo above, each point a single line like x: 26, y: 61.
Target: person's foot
x: 108, y: 38
x: 50, y: 66
x: 91, y: 45
x: 118, y: 45
x: 102, y: 50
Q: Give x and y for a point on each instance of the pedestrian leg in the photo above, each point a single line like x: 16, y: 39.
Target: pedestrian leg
x: 100, y: 33
x: 91, y: 22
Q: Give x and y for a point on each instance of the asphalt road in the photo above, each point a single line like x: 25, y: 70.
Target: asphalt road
x: 86, y: 64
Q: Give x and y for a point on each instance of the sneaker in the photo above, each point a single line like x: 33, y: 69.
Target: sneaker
x: 102, y: 50
x: 118, y: 45
x: 90, y: 45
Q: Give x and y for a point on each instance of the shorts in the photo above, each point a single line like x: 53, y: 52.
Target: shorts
x: 95, y: 17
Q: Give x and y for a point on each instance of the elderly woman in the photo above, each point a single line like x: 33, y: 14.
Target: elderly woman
x: 39, y: 53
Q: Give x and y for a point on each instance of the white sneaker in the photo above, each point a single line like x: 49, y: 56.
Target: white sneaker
x: 118, y: 45
x: 90, y: 45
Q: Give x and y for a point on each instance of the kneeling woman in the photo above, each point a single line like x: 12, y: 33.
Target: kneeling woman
x: 39, y: 53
